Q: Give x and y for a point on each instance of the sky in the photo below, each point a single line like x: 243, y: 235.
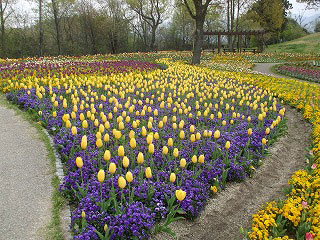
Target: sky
x: 298, y: 8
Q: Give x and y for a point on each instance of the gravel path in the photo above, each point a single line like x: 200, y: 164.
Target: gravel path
x: 232, y: 208
x: 25, y: 189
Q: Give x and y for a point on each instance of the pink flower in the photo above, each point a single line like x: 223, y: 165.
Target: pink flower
x: 314, y: 166
x: 309, y: 236
x: 304, y: 204
x: 311, y: 152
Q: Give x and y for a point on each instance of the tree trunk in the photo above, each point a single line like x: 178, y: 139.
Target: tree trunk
x: 198, y: 41
x: 56, y: 22
x: 40, y: 30
x: 3, y: 45
x: 153, y: 38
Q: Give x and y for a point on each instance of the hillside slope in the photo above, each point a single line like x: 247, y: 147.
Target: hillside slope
x: 306, y: 44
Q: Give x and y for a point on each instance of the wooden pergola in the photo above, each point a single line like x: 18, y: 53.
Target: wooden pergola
x: 239, y: 34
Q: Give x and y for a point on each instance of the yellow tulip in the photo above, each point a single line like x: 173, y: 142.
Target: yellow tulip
x: 192, y: 128
x: 227, y: 145
x: 129, y: 177
x: 99, y: 143
x: 194, y: 159
x: 140, y: 158
x: 107, y: 155
x: 79, y: 162
x: 267, y: 131
x: 216, y: 134
x: 84, y: 124
x: 122, y: 182
x: 101, y: 175
x: 112, y: 168
x: 170, y: 142
x: 120, y: 151
x: 74, y: 130
x: 182, y: 135
x: 193, y: 138
x: 264, y: 141
x: 175, y: 152
x: 84, y: 142
x: 54, y: 114
x: 250, y: 132
x: 144, y: 131
x: 125, y: 161
x: 133, y: 143
x: 183, y: 163
x: 83, y: 215
x: 106, y: 137
x: 149, y: 138
x: 148, y: 172
x: 173, y: 177
x: 151, y: 148
x: 98, y: 135
x: 201, y: 159
x: 180, y: 194
x: 165, y: 150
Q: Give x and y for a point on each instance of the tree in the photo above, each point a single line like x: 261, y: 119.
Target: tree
x: 311, y: 3
x: 198, y: 12
x: 317, y: 26
x: 5, y: 11
x: 152, y: 12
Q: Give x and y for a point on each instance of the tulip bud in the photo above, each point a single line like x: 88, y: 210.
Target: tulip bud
x: 125, y: 161
x: 120, y: 151
x: 107, y: 155
x: 101, y: 175
x: 227, y: 145
x: 84, y: 142
x: 201, y: 159
x: 180, y: 194
x: 133, y: 143
x: 250, y: 132
x: 83, y: 215
x: 173, y: 177
x: 151, y: 148
x: 79, y: 162
x: 74, y: 130
x: 216, y: 134
x: 181, y: 135
x: 264, y: 141
x: 148, y: 172
x: 170, y: 142
x: 194, y: 159
x: 175, y: 152
x: 122, y: 182
x: 165, y: 150
x: 99, y: 143
x: 129, y: 177
x: 183, y: 163
x: 140, y: 158
x: 267, y: 131
x: 112, y: 168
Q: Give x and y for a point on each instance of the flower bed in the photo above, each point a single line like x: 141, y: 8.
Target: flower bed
x: 304, y: 71
x: 145, y: 147
x: 296, y: 217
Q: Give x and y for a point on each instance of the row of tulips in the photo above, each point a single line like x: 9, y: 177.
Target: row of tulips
x: 300, y: 71
x: 144, y: 149
x: 297, y: 216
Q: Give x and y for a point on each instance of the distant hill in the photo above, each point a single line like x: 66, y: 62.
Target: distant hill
x: 306, y: 44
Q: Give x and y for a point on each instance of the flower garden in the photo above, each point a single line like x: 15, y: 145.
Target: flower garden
x: 144, y: 145
x: 304, y: 70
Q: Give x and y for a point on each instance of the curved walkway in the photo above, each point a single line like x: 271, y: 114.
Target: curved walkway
x: 265, y: 68
x: 232, y: 208
x: 25, y: 180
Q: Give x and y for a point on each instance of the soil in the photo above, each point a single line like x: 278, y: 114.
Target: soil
x: 232, y: 208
